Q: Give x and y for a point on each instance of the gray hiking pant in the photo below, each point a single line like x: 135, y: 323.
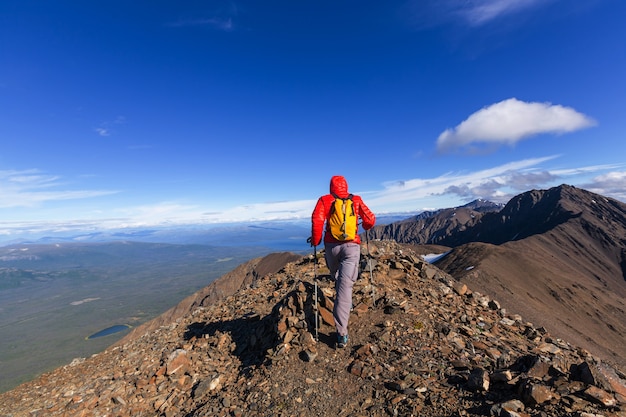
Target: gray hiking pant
x: 343, y: 261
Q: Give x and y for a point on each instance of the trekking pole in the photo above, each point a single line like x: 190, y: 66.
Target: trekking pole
x: 315, y: 281
x: 369, y: 263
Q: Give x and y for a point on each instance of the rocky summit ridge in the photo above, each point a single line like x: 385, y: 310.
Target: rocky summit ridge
x: 421, y: 344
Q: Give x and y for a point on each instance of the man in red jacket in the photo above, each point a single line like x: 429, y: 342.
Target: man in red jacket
x: 342, y: 257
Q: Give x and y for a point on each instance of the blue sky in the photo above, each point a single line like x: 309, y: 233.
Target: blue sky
x: 118, y: 114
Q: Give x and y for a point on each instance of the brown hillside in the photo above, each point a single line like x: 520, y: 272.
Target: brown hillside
x: 548, y: 288
x: 420, y: 344
x: 564, y: 268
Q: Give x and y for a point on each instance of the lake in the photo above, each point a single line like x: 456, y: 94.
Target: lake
x: 110, y: 330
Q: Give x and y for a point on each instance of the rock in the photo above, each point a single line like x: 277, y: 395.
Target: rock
x: 460, y: 365
x: 507, y: 322
x: 507, y: 409
x: 428, y: 272
x: 501, y: 376
x: 398, y: 386
x: 548, y: 348
x: 310, y: 354
x: 327, y: 316
x: 609, y: 379
x: 478, y: 380
x: 360, y: 309
x: 177, y: 362
x: 535, y: 393
x: 600, y: 396
x: 205, y: 386
x: 460, y: 288
x: 539, y: 369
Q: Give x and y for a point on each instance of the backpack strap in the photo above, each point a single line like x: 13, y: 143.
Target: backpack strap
x: 349, y: 197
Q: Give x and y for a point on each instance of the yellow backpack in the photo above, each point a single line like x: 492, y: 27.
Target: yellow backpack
x: 342, y: 223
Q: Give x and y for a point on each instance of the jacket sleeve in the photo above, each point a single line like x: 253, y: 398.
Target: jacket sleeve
x: 368, y: 218
x: 317, y: 222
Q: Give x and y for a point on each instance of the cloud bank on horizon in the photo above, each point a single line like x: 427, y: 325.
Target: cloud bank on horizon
x: 497, y: 184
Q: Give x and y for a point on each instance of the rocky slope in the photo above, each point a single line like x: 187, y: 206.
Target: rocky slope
x: 421, y: 343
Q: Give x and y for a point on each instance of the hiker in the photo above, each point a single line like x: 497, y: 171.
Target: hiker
x: 342, y: 249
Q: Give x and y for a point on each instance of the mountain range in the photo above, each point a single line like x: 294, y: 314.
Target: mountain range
x: 557, y: 256
x: 523, y: 316
x: 435, y: 227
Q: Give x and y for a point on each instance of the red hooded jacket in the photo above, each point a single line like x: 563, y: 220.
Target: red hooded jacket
x: 321, y: 213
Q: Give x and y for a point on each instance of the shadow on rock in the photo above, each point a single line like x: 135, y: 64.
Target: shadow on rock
x: 257, y: 340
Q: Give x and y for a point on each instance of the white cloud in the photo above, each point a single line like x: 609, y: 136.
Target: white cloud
x: 410, y: 194
x: 510, y: 121
x: 217, y: 15
x: 224, y: 24
x: 172, y: 213
x: 585, y: 170
x: 30, y: 188
x: 612, y: 179
x: 105, y: 127
x: 102, y: 131
x: 474, y: 13
x: 611, y: 184
x: 501, y: 184
x: 280, y: 210
x: 479, y: 12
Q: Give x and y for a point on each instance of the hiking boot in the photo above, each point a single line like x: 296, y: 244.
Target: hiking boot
x: 342, y: 341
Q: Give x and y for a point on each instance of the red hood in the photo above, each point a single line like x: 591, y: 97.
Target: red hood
x: 339, y: 186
